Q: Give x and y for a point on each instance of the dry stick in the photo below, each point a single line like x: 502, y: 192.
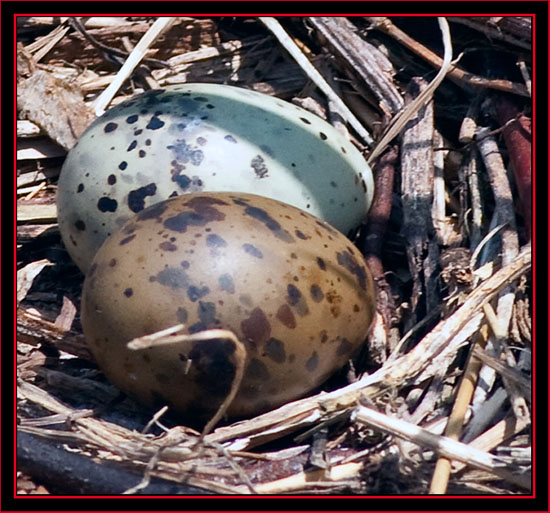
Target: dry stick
x: 458, y: 75
x: 160, y: 25
x: 291, y: 47
x: 399, y: 121
x: 443, y: 445
x: 455, y: 422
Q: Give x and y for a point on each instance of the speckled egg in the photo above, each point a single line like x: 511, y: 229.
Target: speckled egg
x: 292, y: 288
x: 205, y: 137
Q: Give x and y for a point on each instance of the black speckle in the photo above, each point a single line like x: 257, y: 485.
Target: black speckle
x: 154, y: 123
x: 133, y: 144
x: 316, y: 293
x: 123, y: 165
x: 139, y: 131
x: 110, y: 127
x: 253, y: 250
x: 196, y: 293
x: 259, y: 167
x: 79, y: 225
x: 132, y: 119
x: 275, y: 349
x: 301, y: 235
x: 142, y: 153
x: 312, y: 362
x: 112, y: 262
x: 230, y: 138
x: 306, y: 121
x: 106, y: 204
x: 215, y: 241
x: 147, y: 142
x: 323, y: 136
x: 111, y: 179
x: 128, y: 292
x: 136, y: 198
x: 226, y: 283
x: 80, y: 187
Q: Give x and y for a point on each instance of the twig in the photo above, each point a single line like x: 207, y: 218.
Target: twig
x: 401, y: 119
x: 275, y: 27
x: 458, y: 75
x: 443, y: 445
x: 160, y: 25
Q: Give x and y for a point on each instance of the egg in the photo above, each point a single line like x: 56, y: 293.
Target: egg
x: 291, y: 287
x: 205, y: 138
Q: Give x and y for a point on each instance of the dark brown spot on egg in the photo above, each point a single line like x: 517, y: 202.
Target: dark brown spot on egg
x: 128, y: 292
x: 275, y: 350
x: 213, y: 365
x: 296, y: 299
x: 286, y: 317
x: 306, y: 121
x: 181, y: 315
x: 344, y: 348
x: 133, y: 144
x: 256, y: 328
x: 152, y: 212
x: 350, y: 263
x: 167, y: 246
x: 323, y: 136
x: 230, y: 139
x: 301, y: 235
x: 257, y: 370
x: 127, y: 239
x: 80, y: 187
x: 132, y: 119
x: 226, y: 283
x: 207, y: 312
x: 316, y: 293
x: 195, y: 293
x: 253, y: 250
x: 321, y: 264
x: 123, y: 165
x: 215, y: 241
x: 172, y: 277
x: 142, y: 153
x: 111, y: 179
x: 79, y: 225
x: 262, y: 216
x: 312, y: 362
x: 112, y: 262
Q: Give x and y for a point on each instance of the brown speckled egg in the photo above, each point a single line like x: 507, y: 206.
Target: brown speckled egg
x: 293, y: 289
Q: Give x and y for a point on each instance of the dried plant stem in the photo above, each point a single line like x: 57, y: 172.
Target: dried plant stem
x: 278, y: 31
x: 160, y: 25
x: 443, y: 445
x: 169, y: 336
x: 401, y: 119
x: 455, y: 422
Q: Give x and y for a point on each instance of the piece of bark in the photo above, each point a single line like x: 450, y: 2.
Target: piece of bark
x: 55, y: 105
x: 366, y: 60
x: 417, y: 182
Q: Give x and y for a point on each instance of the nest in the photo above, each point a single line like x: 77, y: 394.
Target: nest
x: 439, y: 400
